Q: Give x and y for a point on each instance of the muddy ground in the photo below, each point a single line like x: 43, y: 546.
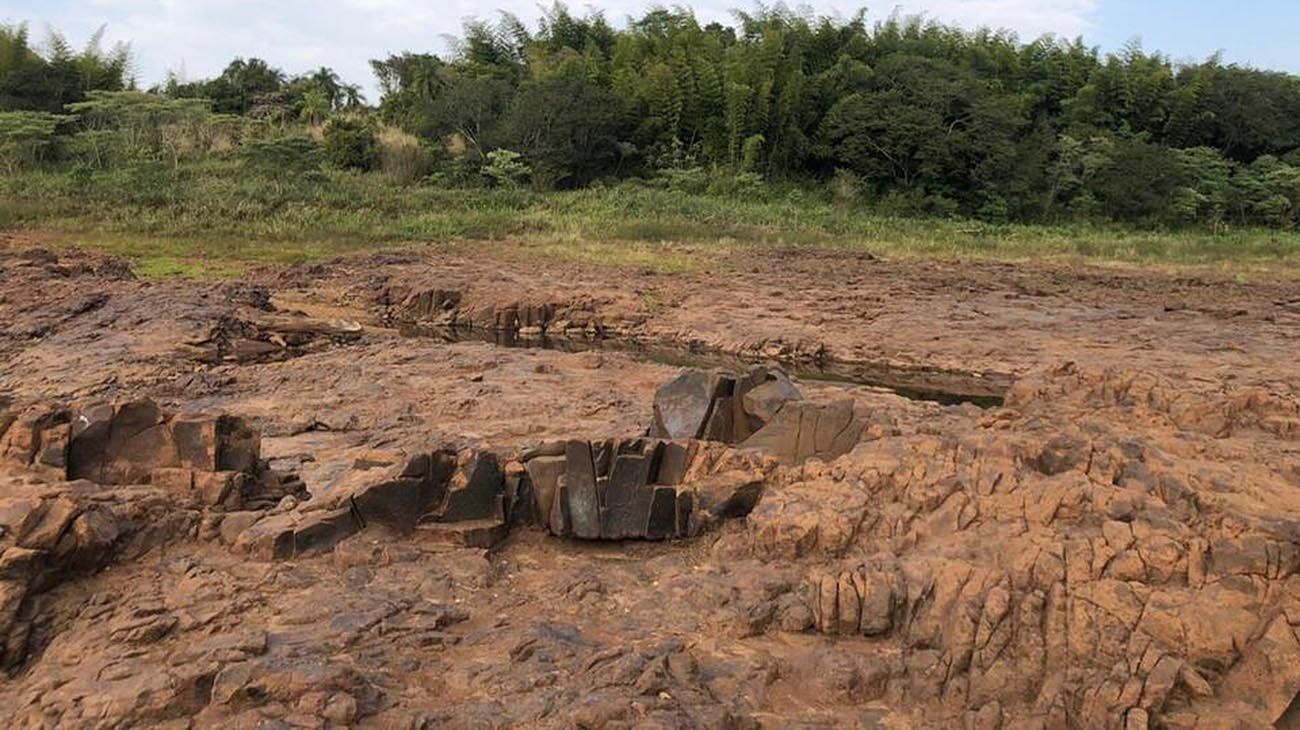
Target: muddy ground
x: 1052, y: 496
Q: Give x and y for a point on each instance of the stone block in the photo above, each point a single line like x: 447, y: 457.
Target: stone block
x: 685, y: 508
x: 682, y: 405
x: 560, y: 521
x: 661, y: 523
x: 239, y: 445
x: 476, y: 490
x: 321, y: 530
x: 627, y: 497
x: 720, y: 425
x: 580, y: 491
x: 544, y: 473
x: 398, y: 502
x: 674, y: 461
x: 196, y: 442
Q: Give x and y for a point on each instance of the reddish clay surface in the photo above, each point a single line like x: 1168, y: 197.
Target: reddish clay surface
x: 1117, y: 544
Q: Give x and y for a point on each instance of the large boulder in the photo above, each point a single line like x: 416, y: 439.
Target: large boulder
x: 683, y: 405
x: 715, y: 406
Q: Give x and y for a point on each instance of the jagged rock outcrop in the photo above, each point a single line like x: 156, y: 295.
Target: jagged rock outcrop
x: 214, y: 459
x: 716, y: 406
x: 1082, y: 570
x: 445, y: 308
x: 52, y: 532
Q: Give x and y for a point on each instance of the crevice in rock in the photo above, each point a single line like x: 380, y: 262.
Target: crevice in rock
x: 947, y: 387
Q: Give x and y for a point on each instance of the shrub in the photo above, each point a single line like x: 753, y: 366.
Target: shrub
x: 505, y: 169
x: 26, y: 138
x: 402, y: 157
x: 847, y: 188
x: 282, y: 158
x: 350, y: 144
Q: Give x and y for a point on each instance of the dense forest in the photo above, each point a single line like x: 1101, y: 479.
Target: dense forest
x: 906, y: 116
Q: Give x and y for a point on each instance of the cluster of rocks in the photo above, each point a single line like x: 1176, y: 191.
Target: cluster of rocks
x: 443, y: 308
x: 213, y: 458
x: 761, y: 409
x: 613, y: 489
x: 456, y: 495
x: 253, y: 337
x: 51, y: 531
x: 642, y: 488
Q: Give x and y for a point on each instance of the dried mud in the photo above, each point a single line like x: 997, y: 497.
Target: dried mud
x: 990, y: 496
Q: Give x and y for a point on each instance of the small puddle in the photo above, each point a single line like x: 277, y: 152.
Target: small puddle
x: 943, y: 387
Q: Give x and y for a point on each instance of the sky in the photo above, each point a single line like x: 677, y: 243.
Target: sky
x: 196, y: 38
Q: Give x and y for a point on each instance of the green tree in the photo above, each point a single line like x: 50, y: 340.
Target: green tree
x: 505, y: 168
x: 47, y: 82
x: 285, y: 160
x: 569, y: 128
x: 27, y: 138
x: 928, y: 126
x: 136, y: 125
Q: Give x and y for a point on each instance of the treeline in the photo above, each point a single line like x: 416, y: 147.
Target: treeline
x: 909, y: 114
x: 905, y: 116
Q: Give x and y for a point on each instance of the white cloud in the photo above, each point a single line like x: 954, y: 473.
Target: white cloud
x: 201, y: 36
x: 1029, y: 18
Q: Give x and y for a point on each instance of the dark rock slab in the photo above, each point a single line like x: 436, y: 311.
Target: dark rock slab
x: 398, y: 503
x: 721, y: 422
x: 743, y: 424
x: 580, y: 490
x: 520, y: 504
x: 674, y: 461
x: 685, y: 508
x: 560, y: 521
x: 196, y: 442
x: 627, y: 496
x: 238, y: 445
x: 602, y: 456
x: 480, y: 495
x: 321, y: 531
x: 661, y: 523
x: 683, y: 404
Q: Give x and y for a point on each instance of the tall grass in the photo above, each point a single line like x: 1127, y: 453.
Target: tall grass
x: 218, y: 210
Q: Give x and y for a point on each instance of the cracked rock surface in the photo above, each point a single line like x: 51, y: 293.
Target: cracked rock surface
x: 262, y: 504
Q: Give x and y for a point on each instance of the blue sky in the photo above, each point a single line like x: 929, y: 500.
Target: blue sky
x: 197, y: 37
